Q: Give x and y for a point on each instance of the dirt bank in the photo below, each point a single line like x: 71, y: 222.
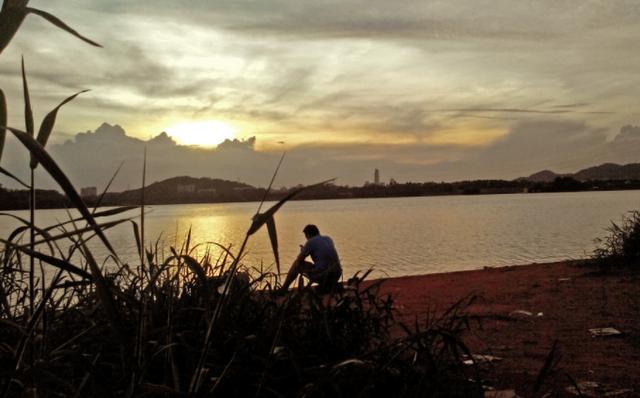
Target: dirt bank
x: 565, y: 301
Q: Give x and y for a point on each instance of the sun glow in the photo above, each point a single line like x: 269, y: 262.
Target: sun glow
x: 204, y: 133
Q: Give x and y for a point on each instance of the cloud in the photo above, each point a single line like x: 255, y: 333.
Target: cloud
x: 236, y: 144
x: 626, y: 145
x: 421, y: 89
x: 378, y: 18
x: 91, y: 157
x: 531, y: 146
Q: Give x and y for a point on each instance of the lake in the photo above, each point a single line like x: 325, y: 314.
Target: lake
x: 396, y: 236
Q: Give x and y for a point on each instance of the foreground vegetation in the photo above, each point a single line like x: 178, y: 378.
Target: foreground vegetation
x: 187, y: 327
x: 620, y: 249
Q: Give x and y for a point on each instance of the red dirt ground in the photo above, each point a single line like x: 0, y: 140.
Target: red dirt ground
x: 589, y: 299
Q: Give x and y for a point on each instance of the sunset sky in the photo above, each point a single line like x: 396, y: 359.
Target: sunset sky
x: 423, y: 90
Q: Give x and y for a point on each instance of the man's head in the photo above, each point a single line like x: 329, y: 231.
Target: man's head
x: 310, y: 231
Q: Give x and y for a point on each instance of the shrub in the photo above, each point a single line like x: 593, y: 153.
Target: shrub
x: 621, y: 247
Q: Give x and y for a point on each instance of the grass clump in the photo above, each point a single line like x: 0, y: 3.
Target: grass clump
x: 621, y: 247
x: 347, y: 343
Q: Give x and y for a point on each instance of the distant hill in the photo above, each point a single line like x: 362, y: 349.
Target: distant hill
x: 542, y: 176
x: 606, y: 171
x: 610, y: 171
x: 186, y: 190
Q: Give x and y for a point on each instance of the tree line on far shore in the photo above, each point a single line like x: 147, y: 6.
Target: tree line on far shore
x: 172, y: 191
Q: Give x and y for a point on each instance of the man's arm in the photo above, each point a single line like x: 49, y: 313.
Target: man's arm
x: 304, y: 252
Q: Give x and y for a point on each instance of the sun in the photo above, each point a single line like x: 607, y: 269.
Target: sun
x: 204, y: 133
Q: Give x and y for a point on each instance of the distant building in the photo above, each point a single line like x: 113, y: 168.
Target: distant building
x: 186, y: 188
x: 376, y: 177
x: 89, y: 192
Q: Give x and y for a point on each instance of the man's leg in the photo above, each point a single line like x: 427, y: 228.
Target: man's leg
x: 329, y: 281
x: 297, y: 268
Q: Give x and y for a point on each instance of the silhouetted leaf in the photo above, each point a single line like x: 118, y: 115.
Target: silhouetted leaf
x: 103, y: 227
x: 19, y: 181
x: 31, y: 326
x: 549, y: 363
x: 56, y: 262
x: 57, y: 22
x: 195, y: 267
x: 54, y: 170
x: 105, y: 213
x: 106, y: 188
x: 3, y: 121
x: 261, y: 218
x: 28, y: 112
x: 47, y: 125
x: 136, y: 234
x: 273, y: 237
x: 105, y: 293
x: 11, y: 17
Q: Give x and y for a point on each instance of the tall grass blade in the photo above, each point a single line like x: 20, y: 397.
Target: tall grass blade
x: 104, y: 291
x: 28, y: 112
x: 33, y: 321
x: 549, y: 363
x: 142, y: 191
x: 141, y: 272
x: 49, y: 121
x: 13, y: 177
x: 28, y: 225
x: 54, y: 170
x: 85, y: 379
x: 273, y: 178
x: 136, y: 235
x: 195, y: 267
x: 14, y: 3
x: 3, y: 121
x: 98, y: 214
x: 57, y: 22
x: 28, y: 121
x: 68, y: 234
x: 12, y: 15
x: 56, y: 262
x: 106, y: 188
x: 261, y: 218
x: 273, y: 237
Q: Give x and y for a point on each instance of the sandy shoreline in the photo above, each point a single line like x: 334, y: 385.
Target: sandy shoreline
x: 572, y: 299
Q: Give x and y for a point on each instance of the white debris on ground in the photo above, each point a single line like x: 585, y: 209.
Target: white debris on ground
x: 479, y: 358
x: 519, y: 314
x: 604, y: 332
x: 501, y: 394
x: 594, y: 389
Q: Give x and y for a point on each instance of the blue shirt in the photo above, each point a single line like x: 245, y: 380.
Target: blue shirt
x: 322, y: 252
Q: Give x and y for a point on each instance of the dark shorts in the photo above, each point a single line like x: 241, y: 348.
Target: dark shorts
x: 326, y: 279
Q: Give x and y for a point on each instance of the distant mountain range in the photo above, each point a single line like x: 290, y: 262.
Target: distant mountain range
x: 606, y: 171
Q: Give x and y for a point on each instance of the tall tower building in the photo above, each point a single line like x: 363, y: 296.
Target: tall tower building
x: 376, y: 177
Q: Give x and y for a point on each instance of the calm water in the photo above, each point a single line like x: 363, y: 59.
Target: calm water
x: 397, y: 236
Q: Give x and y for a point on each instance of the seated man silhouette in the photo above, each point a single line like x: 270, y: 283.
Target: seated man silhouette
x: 325, y: 270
